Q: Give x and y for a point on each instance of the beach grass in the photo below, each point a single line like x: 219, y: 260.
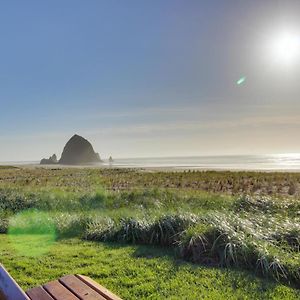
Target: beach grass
x: 232, y: 231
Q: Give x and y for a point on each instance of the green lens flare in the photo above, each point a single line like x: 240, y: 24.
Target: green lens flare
x: 31, y: 233
x: 241, y: 80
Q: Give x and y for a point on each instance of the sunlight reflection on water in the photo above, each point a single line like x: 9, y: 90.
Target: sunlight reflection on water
x: 283, y: 162
x: 232, y: 162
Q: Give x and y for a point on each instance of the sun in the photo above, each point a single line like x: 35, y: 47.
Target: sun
x: 285, y: 48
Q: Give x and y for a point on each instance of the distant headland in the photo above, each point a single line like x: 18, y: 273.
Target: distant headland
x: 77, y: 151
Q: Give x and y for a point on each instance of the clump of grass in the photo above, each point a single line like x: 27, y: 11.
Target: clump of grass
x: 228, y: 240
x: 70, y: 225
x: 164, y: 230
x: 287, y: 233
x: 195, y: 243
x: 133, y: 230
x: 216, y: 240
x: 100, y: 229
x: 267, y: 205
x: 167, y: 229
x: 3, y: 224
x: 14, y: 200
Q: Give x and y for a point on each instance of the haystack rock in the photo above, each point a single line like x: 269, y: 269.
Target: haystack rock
x: 78, y: 151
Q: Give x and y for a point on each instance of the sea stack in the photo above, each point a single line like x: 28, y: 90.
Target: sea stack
x: 52, y: 160
x: 78, y: 151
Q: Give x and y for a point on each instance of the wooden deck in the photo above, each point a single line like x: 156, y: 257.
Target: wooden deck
x: 71, y: 287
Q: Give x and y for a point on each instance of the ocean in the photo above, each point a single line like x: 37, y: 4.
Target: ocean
x: 229, y: 162
x: 280, y: 162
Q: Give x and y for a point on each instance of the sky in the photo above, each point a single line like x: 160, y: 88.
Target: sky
x: 148, y: 78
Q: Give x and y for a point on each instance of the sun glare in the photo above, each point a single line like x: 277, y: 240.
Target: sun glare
x: 285, y: 48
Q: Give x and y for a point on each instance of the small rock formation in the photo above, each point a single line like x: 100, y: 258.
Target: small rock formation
x: 78, y: 151
x: 110, y: 160
x: 52, y: 160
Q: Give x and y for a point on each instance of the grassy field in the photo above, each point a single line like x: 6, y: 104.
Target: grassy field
x: 83, y: 180
x: 154, y: 235
x: 137, y: 272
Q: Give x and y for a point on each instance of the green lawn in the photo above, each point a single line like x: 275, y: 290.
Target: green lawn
x: 136, y: 272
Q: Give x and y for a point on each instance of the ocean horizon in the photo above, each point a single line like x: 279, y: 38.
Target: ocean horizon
x: 272, y: 162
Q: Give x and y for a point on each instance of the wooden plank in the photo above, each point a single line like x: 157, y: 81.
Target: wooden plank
x: 38, y: 293
x: 80, y: 289
x: 9, y: 287
x: 59, y: 291
x: 98, y: 288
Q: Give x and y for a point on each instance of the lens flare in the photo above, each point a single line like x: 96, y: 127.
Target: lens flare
x: 31, y: 233
x: 241, y: 80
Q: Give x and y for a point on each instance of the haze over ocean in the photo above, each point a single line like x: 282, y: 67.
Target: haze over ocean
x: 277, y: 162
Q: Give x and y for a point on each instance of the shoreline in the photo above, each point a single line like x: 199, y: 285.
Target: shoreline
x: 155, y: 168
x: 235, y: 163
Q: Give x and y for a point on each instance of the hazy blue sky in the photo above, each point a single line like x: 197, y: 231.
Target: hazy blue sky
x: 147, y: 78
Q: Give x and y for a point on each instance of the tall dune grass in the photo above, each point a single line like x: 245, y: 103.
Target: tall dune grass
x: 261, y: 233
